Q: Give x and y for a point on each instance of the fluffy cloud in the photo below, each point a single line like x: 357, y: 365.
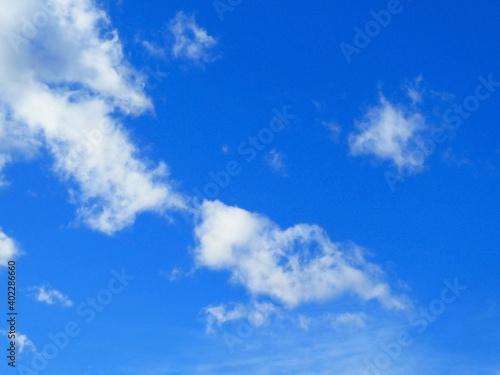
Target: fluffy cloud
x: 8, y: 249
x: 293, y: 266
x: 191, y: 42
x: 392, y: 133
x: 51, y: 296
x: 63, y: 81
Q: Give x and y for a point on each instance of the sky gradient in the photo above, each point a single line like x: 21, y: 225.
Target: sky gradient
x: 236, y: 187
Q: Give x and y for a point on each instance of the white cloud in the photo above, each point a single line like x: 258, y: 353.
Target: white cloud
x: 191, y: 42
x: 391, y: 133
x: 63, y: 82
x: 257, y: 313
x: 294, y: 266
x: 51, y: 296
x: 275, y: 160
x: 152, y: 49
x: 8, y: 249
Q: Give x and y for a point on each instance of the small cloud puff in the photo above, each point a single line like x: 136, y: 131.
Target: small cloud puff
x: 391, y: 133
x: 51, y: 296
x: 191, y: 42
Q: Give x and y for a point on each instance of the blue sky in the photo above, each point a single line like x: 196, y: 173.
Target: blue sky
x: 253, y: 188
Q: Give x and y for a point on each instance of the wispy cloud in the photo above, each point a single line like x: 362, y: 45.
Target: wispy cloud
x: 337, y: 321
x: 191, y: 42
x: 451, y: 159
x: 51, y: 296
x: 334, y: 129
x: 355, y: 319
x: 153, y: 49
x: 414, y: 90
x: 316, y: 105
x: 177, y: 274
x: 4, y: 160
x: 286, y: 348
x: 276, y: 161
x: 257, y: 313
